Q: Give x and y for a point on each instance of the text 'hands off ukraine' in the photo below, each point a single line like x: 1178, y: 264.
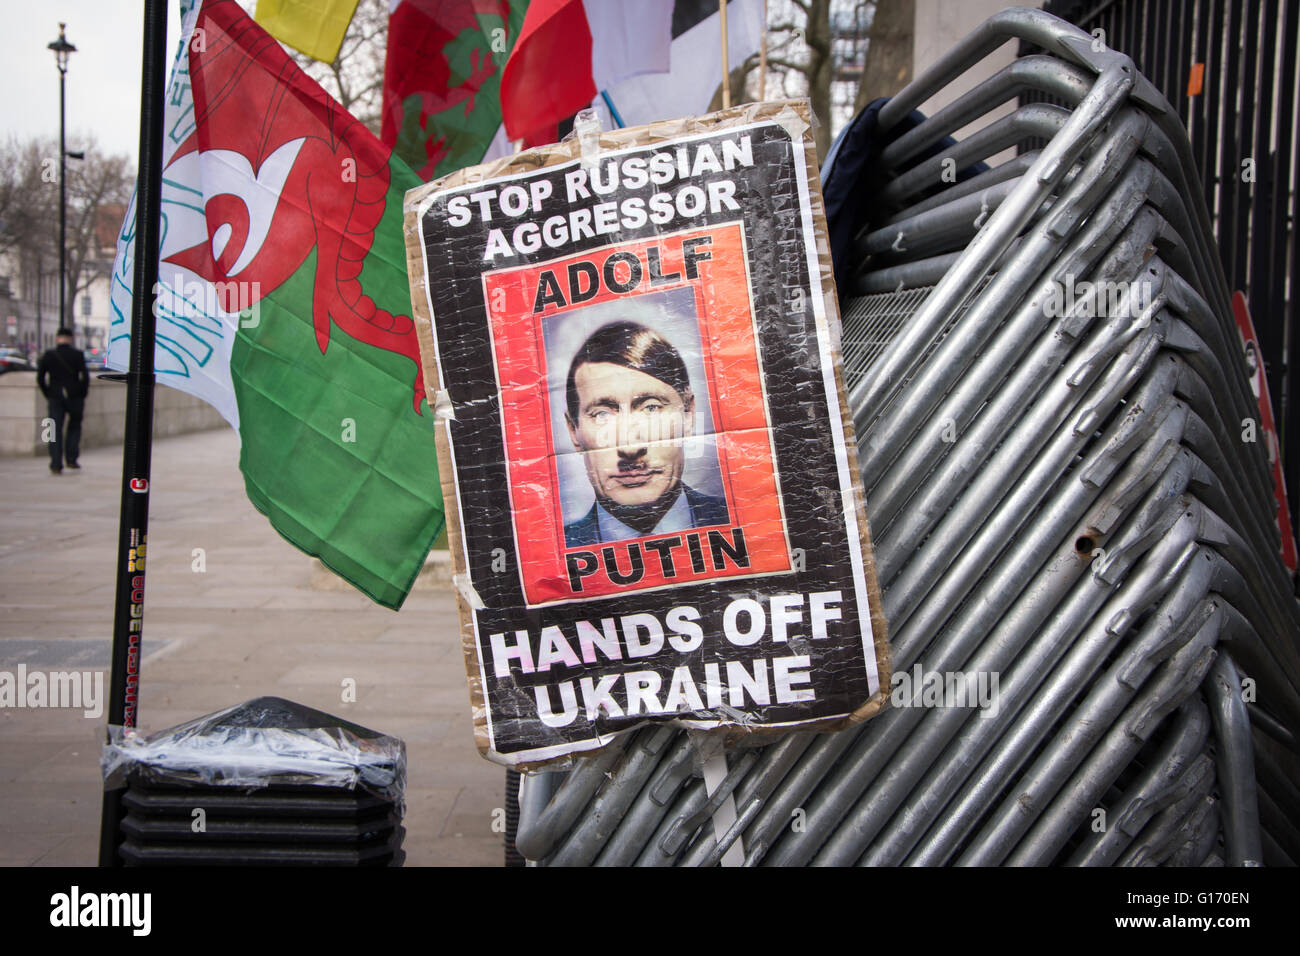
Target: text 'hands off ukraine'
x: 649, y: 479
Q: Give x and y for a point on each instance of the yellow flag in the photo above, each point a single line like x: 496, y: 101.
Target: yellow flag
x: 313, y: 27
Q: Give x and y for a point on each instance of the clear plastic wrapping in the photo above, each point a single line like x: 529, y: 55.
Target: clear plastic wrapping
x: 263, y: 742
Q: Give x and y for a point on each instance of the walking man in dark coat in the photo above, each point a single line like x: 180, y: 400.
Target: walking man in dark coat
x: 64, y: 381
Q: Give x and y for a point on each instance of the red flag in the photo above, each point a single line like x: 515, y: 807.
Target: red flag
x: 569, y: 50
x: 442, y: 108
x: 1259, y: 385
x: 548, y: 76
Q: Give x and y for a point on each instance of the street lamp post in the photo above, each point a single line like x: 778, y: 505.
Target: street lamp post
x: 62, y: 50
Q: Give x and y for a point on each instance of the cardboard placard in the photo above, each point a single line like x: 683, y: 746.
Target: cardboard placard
x: 654, y: 513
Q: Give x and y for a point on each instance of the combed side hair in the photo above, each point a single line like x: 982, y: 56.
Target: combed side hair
x: 630, y: 345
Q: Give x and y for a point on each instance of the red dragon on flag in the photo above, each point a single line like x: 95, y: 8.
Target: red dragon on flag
x: 283, y: 300
x: 303, y: 174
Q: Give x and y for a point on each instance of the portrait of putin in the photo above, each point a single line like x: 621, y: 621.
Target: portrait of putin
x: 629, y: 408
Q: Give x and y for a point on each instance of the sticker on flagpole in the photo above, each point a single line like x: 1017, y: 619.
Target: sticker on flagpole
x: 649, y: 466
x: 139, y: 485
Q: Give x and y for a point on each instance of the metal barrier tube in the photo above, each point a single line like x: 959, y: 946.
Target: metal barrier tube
x: 1044, y: 30
x: 807, y: 774
x: 941, y: 229
x: 909, y: 275
x: 1167, y: 830
x: 1201, y: 831
x: 1047, y: 542
x: 1236, y: 765
x: 1012, y: 169
x: 1069, y: 42
x: 1152, y: 579
x: 1182, y: 613
x: 1270, y: 726
x: 640, y: 819
x: 1071, y: 557
x: 883, y: 737
x: 754, y: 791
x: 1201, y: 384
x: 880, y: 739
x: 946, y: 370
x: 1157, y: 783
x: 1272, y: 779
x: 1042, y: 74
x: 1201, y: 439
x: 535, y: 792
x: 1057, y: 157
x: 582, y: 844
x: 1210, y: 437
x: 1022, y: 421
x: 1006, y: 471
x: 1279, y: 825
x: 1140, y: 804
x: 1196, y: 311
x: 536, y: 840
x: 1276, y: 616
x: 963, y: 411
x: 1036, y: 121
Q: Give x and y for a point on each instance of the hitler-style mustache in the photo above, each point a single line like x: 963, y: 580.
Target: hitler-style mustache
x: 636, y: 468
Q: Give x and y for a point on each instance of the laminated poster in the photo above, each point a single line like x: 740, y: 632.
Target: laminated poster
x: 654, y: 513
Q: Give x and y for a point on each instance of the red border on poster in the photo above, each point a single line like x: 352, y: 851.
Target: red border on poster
x: 737, y: 402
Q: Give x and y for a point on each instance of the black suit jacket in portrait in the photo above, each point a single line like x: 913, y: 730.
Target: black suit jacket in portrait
x: 705, y: 510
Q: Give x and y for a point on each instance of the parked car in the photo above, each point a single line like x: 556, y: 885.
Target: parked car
x: 12, y: 360
x: 96, y: 359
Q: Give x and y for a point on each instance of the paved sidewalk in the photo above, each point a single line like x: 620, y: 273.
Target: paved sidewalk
x: 249, y: 624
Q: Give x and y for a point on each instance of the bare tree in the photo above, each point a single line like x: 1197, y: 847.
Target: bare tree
x: 799, y: 58
x: 29, y: 210
x: 888, y: 65
x: 99, y: 186
x: 99, y: 189
x: 813, y: 45
x: 356, y: 77
x: 28, y: 188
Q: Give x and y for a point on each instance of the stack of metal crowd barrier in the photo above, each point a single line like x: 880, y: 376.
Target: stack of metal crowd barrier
x: 1051, y: 403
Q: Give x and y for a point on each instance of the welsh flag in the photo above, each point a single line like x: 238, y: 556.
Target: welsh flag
x: 442, y: 80
x: 283, y: 301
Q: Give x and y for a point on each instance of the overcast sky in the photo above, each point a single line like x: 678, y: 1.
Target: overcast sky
x: 103, y: 75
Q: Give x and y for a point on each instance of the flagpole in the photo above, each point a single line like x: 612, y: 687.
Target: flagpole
x: 128, y: 617
x: 762, y: 57
x: 726, y: 63
x: 613, y: 110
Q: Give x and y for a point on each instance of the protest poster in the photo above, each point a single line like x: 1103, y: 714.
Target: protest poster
x: 631, y: 342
